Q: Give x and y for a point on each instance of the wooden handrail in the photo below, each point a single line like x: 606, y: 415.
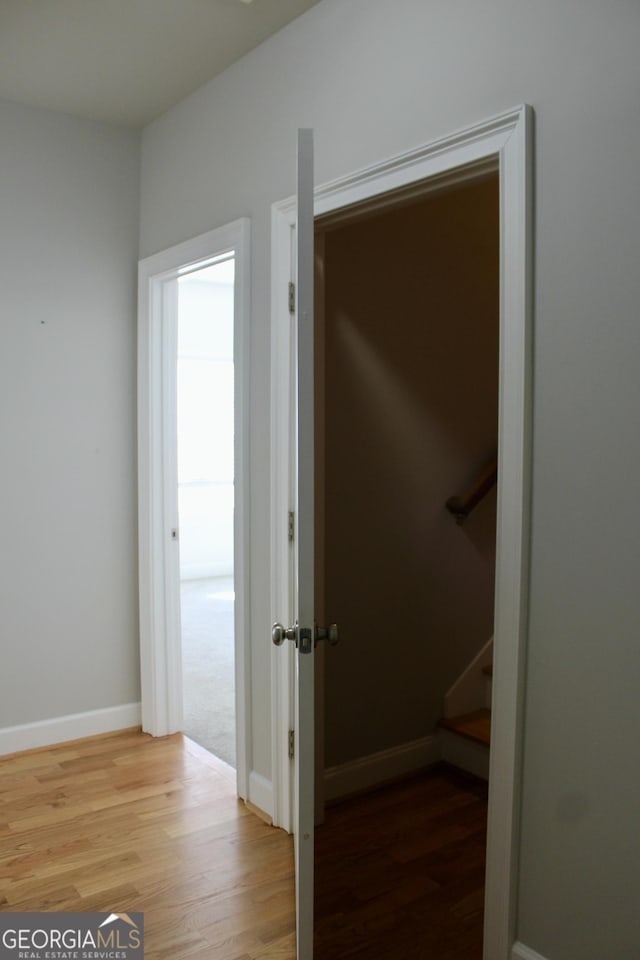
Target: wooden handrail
x: 460, y: 507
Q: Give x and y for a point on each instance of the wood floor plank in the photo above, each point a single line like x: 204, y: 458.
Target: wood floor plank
x: 400, y: 873
x: 126, y: 822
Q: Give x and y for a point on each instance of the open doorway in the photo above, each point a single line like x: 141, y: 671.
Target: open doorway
x: 408, y: 352
x: 503, y: 143
x: 205, y: 437
x: 214, y: 473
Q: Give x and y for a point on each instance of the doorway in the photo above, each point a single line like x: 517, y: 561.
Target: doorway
x: 206, y: 477
x: 408, y: 349
x: 505, y: 143
x: 205, y: 431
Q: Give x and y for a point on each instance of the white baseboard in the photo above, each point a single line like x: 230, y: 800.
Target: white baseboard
x: 46, y: 733
x: 261, y: 793
x: 520, y: 952
x: 366, y: 772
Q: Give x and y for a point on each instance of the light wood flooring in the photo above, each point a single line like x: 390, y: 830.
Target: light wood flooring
x: 126, y: 823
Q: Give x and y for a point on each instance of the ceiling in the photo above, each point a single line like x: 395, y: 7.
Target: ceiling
x: 126, y: 61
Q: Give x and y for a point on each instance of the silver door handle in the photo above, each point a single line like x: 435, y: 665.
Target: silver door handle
x: 330, y: 634
x: 279, y: 634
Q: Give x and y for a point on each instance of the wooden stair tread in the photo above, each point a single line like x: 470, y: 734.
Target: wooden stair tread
x: 474, y: 726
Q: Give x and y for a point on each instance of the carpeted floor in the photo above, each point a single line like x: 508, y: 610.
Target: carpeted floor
x: 208, y: 665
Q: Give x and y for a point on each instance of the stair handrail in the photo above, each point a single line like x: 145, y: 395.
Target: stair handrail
x: 461, y: 506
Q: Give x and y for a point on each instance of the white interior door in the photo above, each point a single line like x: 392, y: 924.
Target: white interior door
x: 304, y: 586
x: 303, y: 632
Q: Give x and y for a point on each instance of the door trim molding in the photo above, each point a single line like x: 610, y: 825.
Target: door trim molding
x: 505, y: 140
x: 160, y: 655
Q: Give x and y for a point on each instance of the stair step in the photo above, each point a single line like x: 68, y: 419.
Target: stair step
x: 474, y: 726
x: 488, y: 670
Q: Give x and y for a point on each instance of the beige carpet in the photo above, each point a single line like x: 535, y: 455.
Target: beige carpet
x: 208, y: 665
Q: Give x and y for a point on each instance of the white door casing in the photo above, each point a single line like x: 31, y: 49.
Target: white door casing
x: 507, y: 141
x: 160, y: 647
x: 302, y: 630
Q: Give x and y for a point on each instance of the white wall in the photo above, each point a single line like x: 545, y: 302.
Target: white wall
x: 68, y: 564
x: 376, y: 77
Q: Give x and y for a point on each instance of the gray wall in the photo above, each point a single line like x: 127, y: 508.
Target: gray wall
x: 411, y: 418
x: 376, y: 77
x: 68, y: 249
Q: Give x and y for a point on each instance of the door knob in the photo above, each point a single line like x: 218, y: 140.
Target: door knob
x: 279, y: 634
x: 330, y: 634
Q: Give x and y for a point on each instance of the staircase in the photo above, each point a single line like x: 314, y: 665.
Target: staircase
x: 465, y: 737
x: 464, y: 732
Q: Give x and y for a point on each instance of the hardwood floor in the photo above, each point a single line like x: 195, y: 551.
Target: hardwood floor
x: 400, y: 872
x: 129, y: 823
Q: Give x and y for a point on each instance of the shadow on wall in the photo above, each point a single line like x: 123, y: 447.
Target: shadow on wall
x: 411, y: 344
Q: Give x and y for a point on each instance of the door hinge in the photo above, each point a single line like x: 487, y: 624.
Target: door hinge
x: 292, y: 297
x: 292, y: 744
x: 291, y: 526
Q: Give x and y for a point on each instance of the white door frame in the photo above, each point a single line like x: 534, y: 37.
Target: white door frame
x: 160, y: 642
x: 507, y: 141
